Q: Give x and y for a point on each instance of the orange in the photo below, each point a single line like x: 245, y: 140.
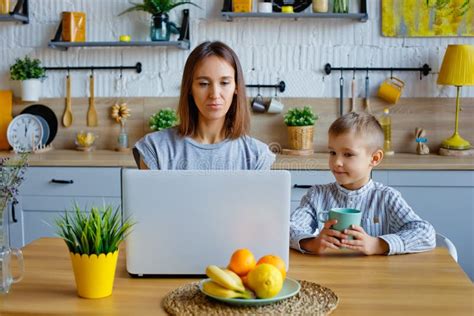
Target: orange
x: 242, y: 261
x: 274, y: 261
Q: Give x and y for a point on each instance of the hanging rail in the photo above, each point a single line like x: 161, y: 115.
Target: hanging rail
x: 425, y: 70
x: 281, y: 86
x: 137, y: 68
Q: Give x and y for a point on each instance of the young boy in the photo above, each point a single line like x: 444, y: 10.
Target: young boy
x: 388, y: 226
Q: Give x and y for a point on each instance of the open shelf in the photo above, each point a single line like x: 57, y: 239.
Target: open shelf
x: 19, y: 13
x: 362, y: 17
x: 184, y: 44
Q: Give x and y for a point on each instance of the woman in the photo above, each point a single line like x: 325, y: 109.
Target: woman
x: 214, y: 119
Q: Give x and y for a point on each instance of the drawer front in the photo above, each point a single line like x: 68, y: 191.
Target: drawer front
x: 72, y: 182
x: 431, y: 178
x: 301, y: 181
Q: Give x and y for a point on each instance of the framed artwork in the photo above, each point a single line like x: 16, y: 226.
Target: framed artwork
x: 426, y: 18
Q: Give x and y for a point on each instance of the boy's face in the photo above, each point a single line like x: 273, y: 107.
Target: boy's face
x: 351, y: 160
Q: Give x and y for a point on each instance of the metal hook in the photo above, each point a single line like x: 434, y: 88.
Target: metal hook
x: 68, y: 71
x: 121, y: 73
x: 391, y: 73
x: 367, y: 73
x: 353, y: 73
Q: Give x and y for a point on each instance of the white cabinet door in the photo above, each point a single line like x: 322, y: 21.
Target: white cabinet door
x: 47, y: 193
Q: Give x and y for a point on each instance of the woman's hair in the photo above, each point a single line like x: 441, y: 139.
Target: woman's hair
x: 237, y: 120
x: 362, y: 124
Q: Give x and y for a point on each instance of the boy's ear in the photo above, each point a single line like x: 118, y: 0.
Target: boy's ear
x: 377, y: 157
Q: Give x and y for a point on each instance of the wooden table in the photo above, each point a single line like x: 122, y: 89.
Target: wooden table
x: 429, y: 283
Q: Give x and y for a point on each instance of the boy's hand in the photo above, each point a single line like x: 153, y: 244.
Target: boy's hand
x: 363, y: 242
x: 327, y: 238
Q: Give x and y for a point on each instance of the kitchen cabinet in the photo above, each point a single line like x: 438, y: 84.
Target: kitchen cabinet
x: 48, y: 192
x: 445, y: 198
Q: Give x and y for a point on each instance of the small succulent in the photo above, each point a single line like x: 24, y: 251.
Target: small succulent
x: 163, y: 119
x: 27, y: 68
x: 300, y: 117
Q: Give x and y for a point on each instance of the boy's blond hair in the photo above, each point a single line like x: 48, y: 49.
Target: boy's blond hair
x: 362, y: 124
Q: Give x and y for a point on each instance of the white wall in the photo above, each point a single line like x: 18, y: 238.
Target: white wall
x: 269, y: 50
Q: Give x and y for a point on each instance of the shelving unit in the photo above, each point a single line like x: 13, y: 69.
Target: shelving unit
x: 19, y: 13
x: 182, y: 42
x: 362, y: 16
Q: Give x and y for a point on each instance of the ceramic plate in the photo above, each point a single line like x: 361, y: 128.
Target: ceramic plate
x: 46, y: 113
x: 290, y: 288
x: 298, y: 5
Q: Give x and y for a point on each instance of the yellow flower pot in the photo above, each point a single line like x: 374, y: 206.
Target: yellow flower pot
x: 94, y: 274
x: 300, y: 137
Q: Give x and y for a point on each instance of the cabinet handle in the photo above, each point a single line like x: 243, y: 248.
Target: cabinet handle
x: 300, y: 186
x: 62, y: 181
x: 13, y: 212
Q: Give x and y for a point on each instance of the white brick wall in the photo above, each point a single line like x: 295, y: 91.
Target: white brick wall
x: 269, y: 49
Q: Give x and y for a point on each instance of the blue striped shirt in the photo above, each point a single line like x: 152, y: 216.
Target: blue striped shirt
x: 385, y: 214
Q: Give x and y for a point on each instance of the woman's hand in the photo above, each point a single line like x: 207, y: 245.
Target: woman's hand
x: 363, y: 242
x: 327, y: 238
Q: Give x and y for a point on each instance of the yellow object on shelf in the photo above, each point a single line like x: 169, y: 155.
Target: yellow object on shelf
x: 74, y: 27
x: 287, y: 9
x: 124, y: 38
x: 94, y: 274
x: 242, y: 5
x: 6, y: 101
x: 4, y: 6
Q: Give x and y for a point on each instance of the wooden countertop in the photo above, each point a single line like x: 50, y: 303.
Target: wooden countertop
x: 318, y: 161
x: 429, y: 283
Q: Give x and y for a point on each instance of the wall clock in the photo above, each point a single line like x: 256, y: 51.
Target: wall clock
x: 25, y: 132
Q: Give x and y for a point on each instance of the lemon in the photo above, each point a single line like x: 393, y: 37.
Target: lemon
x: 265, y: 280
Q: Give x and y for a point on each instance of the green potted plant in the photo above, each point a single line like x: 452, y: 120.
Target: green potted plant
x: 300, y: 123
x: 93, y: 240
x: 161, y: 27
x: 30, y: 73
x: 163, y: 119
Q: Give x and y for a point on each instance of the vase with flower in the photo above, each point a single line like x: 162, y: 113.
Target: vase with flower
x: 11, y: 175
x: 121, y: 112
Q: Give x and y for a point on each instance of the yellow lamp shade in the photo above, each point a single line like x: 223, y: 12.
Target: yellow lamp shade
x: 458, y: 66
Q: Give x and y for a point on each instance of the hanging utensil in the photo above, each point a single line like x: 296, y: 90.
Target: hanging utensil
x: 91, y: 112
x: 67, y: 116
x: 353, y: 90
x: 366, y: 99
x: 341, y: 95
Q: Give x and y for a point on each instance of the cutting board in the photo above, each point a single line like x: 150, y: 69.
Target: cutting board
x: 6, y: 100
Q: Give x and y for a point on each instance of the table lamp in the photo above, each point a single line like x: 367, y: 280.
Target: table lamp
x: 457, y: 70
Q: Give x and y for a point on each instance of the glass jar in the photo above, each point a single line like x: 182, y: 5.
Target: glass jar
x: 320, y: 6
x: 123, y: 137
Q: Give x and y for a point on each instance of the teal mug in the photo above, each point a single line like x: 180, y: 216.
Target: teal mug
x: 345, y: 218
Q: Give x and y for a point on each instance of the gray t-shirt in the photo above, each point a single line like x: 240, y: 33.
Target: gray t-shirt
x: 166, y: 150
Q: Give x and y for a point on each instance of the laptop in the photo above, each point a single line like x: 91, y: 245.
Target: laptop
x: 187, y: 220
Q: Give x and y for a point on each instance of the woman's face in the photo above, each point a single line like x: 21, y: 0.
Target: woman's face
x: 213, y: 89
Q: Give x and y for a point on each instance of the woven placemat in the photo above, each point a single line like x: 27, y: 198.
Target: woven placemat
x: 313, y: 299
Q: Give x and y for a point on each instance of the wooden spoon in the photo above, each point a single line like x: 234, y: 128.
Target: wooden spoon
x: 67, y: 116
x: 91, y: 112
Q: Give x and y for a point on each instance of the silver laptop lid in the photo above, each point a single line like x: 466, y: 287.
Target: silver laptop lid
x: 186, y: 220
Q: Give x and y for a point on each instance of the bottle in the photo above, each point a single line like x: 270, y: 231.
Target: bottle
x: 320, y: 6
x: 386, y: 122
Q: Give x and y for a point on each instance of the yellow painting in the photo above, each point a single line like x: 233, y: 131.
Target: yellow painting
x: 417, y: 18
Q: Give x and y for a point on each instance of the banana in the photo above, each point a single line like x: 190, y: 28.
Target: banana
x: 224, y: 279
x: 234, y: 276
x: 214, y: 289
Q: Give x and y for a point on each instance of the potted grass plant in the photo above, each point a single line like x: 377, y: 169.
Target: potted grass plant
x: 300, y: 123
x: 29, y: 72
x: 93, y: 240
x: 161, y: 27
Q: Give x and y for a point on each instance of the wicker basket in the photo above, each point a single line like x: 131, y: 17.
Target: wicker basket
x: 300, y: 137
